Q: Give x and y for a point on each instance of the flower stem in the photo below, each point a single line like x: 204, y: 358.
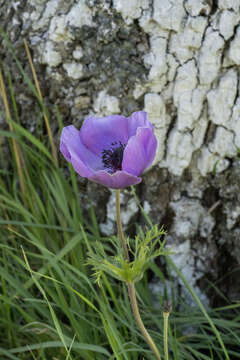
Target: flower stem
x: 165, y: 320
x: 167, y: 308
x: 130, y: 285
x: 132, y: 295
x: 119, y: 226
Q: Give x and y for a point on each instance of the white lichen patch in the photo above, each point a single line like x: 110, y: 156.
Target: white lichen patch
x: 169, y: 14
x: 59, y: 30
x: 155, y: 107
x: 188, y: 98
x: 228, y: 20
x: 78, y: 53
x: 223, y: 143
x: 146, y: 207
x: 79, y: 15
x: 130, y: 10
x: 186, y: 80
x: 106, y: 104
x: 159, y: 290
x: 221, y: 99
x: 50, y: 56
x: 235, y: 123
x: 150, y: 26
x: 60, y: 26
x: 156, y: 60
x: 37, y: 2
x: 138, y: 91
x: 49, y: 11
x: 209, y: 162
x: 210, y: 56
x: 74, y: 70
x: 179, y: 151
x: 172, y: 68
x: 185, y: 260
x: 184, y: 43
x: 199, y: 130
x: 234, y: 51
x: 177, y: 47
x: 197, y: 7
x: 129, y: 208
x: 229, y: 4
x: 193, y: 32
x: 233, y: 215
x: 57, y: 20
x: 191, y: 218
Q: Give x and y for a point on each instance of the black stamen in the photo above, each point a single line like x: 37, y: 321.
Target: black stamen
x: 112, y: 158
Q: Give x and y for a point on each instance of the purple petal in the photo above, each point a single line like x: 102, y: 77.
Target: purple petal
x: 97, y: 134
x: 138, y: 119
x: 64, y: 150
x: 140, y: 151
x: 118, y: 180
x: 83, y: 161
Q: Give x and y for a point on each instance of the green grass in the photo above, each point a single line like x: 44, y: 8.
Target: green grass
x: 50, y: 305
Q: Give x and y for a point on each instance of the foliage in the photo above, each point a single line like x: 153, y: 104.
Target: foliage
x: 50, y: 306
x: 144, y: 248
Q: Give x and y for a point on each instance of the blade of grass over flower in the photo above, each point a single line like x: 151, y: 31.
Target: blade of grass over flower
x: 199, y: 303
x: 94, y: 222
x: 147, y: 218
x: 17, y: 152
x: 32, y: 354
x: 57, y: 295
x: 73, y: 175
x: 14, y: 103
x: 33, y: 140
x: 26, y: 78
x: 58, y: 344
x: 32, y: 224
x: 59, y: 282
x: 228, y: 307
x: 8, y: 354
x: 53, y: 260
x: 53, y: 314
x: 20, y: 67
x: 54, y: 151
x: 112, y: 336
x: 197, y: 353
x: 9, y: 134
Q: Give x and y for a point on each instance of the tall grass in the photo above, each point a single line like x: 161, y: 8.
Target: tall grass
x: 50, y: 305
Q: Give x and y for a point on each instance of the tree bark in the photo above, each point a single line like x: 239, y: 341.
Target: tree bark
x: 177, y: 59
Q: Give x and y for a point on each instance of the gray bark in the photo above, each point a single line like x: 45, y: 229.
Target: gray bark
x: 177, y: 59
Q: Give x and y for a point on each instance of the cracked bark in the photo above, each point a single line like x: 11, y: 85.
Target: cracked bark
x: 97, y: 59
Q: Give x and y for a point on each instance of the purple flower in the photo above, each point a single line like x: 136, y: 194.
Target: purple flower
x: 113, y: 150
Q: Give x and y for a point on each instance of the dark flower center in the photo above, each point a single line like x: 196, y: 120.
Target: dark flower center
x: 112, y: 158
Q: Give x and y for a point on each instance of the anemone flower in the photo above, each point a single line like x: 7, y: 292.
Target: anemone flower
x: 113, y: 150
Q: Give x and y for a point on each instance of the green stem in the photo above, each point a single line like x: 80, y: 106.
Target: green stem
x: 131, y: 287
x: 165, y: 319
x: 149, y: 340
x: 119, y: 226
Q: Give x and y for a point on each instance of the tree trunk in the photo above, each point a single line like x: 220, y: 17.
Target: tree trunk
x: 177, y: 59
